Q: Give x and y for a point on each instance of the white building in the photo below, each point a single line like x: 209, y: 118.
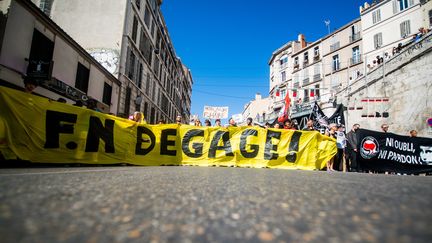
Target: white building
x: 33, y: 47
x: 388, y: 23
x: 257, y: 109
x: 131, y: 40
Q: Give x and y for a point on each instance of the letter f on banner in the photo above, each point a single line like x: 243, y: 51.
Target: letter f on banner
x: 55, y: 124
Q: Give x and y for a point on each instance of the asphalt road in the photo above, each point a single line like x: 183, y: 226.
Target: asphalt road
x: 184, y: 204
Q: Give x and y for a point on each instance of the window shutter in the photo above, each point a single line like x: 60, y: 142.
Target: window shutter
x: 395, y: 6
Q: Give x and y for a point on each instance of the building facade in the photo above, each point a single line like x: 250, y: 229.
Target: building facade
x: 342, y: 60
x: 257, y: 109
x: 34, y: 48
x: 130, y: 38
x: 387, y: 24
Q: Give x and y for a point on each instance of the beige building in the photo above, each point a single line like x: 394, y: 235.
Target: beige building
x: 36, y: 49
x: 131, y: 40
x: 257, y: 109
x: 342, y: 60
x: 386, y: 24
x: 306, y: 86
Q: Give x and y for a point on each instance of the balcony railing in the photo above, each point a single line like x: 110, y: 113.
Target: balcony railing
x: 356, y: 60
x: 354, y: 37
x: 296, y: 85
x: 316, y: 57
x: 316, y: 77
x: 305, y: 81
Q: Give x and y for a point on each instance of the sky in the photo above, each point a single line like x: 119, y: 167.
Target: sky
x: 227, y: 43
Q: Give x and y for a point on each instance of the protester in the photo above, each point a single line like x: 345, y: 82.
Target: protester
x: 331, y: 133
x: 92, y: 105
x: 289, y: 125
x: 61, y: 100
x: 249, y: 122
x: 232, y: 123
x: 309, y: 126
x: 207, y: 123
x: 218, y: 123
x: 198, y: 123
x: 340, y: 163
x: 413, y: 133
x: 137, y: 117
x: 385, y: 127
x: 351, y: 148
x: 179, y: 120
x: 79, y: 103
x: 30, y: 85
x: 267, y: 125
x: 161, y: 122
x: 277, y: 125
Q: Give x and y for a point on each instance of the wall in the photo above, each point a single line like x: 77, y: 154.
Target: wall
x: 406, y: 86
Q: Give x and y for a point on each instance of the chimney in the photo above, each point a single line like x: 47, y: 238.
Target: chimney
x: 302, y: 40
x: 257, y: 96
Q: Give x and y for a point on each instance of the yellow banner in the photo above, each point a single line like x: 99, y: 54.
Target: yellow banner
x: 40, y: 130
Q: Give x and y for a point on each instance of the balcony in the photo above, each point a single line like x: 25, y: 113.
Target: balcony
x: 356, y: 60
x: 305, y: 81
x: 335, y: 46
x: 316, y: 57
x: 296, y: 85
x: 305, y: 62
x: 296, y: 66
x: 354, y: 37
x: 316, y: 77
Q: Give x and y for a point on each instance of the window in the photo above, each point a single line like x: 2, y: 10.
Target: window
x: 283, y: 61
x: 40, y: 57
x: 378, y: 40
x: 283, y: 93
x: 430, y: 17
x: 305, y: 95
x: 283, y: 76
x: 404, y: 4
x: 153, y: 29
x: 134, y: 29
x: 405, y: 29
x: 148, y: 84
x: 130, y: 65
x: 316, y: 51
x: 306, y: 57
x: 317, y: 90
x: 127, y: 101
x: 107, y: 94
x: 45, y: 6
x: 82, y: 78
x: 336, y: 64
x: 147, y: 17
x: 376, y: 16
x: 296, y: 61
x: 139, y: 77
x: 355, y: 55
x: 146, y: 47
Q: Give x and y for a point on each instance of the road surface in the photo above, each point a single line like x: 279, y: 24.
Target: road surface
x: 160, y: 204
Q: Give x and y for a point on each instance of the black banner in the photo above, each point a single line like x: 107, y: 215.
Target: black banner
x: 321, y: 121
x: 389, y: 152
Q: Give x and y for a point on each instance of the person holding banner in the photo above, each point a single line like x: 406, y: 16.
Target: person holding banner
x: 352, y: 143
x: 218, y: 123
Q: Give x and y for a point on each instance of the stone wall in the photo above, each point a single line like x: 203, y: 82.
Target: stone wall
x: 397, y: 92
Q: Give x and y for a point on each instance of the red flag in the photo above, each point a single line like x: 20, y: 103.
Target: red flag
x: 277, y: 93
x: 283, y: 115
x: 312, y: 93
x: 295, y: 93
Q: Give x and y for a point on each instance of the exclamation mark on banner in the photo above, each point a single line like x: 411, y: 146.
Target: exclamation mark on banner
x: 293, y: 147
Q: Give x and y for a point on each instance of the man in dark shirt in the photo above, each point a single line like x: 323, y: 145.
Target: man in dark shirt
x: 352, y: 142
x: 309, y: 126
